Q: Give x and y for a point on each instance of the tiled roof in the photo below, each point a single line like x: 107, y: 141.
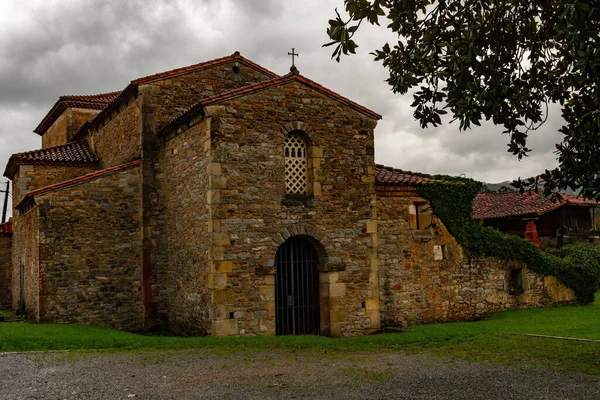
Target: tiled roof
x: 254, y: 87
x: 70, y: 154
x: 6, y: 227
x: 510, y: 204
x: 78, y: 180
x: 132, y: 87
x: 393, y: 176
x: 200, y: 66
x: 91, y: 102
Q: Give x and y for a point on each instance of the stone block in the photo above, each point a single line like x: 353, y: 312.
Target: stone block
x: 372, y: 304
x: 267, y: 292
x: 225, y: 296
x: 217, y: 281
x: 338, y: 316
x: 328, y: 277
x: 375, y: 317
x: 222, y: 267
x: 371, y: 226
x: 337, y: 289
x: 224, y: 327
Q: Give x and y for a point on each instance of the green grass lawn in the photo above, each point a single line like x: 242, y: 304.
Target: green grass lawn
x: 492, y: 340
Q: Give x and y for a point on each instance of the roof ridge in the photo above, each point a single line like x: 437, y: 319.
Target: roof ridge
x: 97, y: 96
x: 82, y: 141
x: 405, y: 171
x: 198, y: 66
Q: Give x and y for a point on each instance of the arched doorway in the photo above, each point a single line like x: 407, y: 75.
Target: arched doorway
x: 297, y: 288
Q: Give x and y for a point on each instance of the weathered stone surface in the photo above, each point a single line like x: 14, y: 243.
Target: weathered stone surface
x: 66, y: 125
x: 188, y: 240
x: 5, y: 271
x: 81, y: 252
x: 419, y: 284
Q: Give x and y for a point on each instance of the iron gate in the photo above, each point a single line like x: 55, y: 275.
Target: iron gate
x: 297, y: 288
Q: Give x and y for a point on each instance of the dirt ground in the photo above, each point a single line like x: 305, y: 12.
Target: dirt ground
x: 201, y: 374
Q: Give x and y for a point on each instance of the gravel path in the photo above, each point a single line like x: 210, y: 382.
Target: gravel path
x: 202, y: 374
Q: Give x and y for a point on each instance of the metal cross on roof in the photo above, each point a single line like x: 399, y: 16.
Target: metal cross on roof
x: 293, y: 67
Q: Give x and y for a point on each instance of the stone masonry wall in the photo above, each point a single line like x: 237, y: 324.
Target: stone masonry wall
x: 5, y: 271
x: 251, y: 216
x: 119, y: 141
x: 91, y: 252
x: 183, y: 180
x: 32, y: 177
x: 419, y: 286
x: 57, y: 132
x: 161, y: 101
x: 66, y: 125
x: 25, y: 264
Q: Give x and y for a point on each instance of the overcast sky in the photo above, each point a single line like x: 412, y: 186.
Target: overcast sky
x: 53, y: 48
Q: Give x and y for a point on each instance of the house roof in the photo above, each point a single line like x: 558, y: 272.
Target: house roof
x: 200, y: 66
x: 76, y: 181
x: 131, y: 89
x: 6, y: 227
x: 396, y: 177
x: 90, y: 102
x: 255, y: 87
x: 71, y: 154
x: 512, y: 204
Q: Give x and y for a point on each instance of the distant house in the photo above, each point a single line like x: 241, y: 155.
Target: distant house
x: 538, y: 218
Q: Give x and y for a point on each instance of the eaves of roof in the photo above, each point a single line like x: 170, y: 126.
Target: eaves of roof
x: 72, y: 154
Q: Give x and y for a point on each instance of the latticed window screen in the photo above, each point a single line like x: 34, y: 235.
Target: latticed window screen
x: 296, y: 181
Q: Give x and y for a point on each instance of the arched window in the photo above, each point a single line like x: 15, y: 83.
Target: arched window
x: 296, y: 171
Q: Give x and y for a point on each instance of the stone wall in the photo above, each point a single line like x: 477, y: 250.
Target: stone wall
x: 425, y: 278
x: 183, y: 181
x: 32, y: 177
x: 171, y: 97
x: 251, y: 216
x: 172, y: 273
x: 5, y: 271
x: 90, y: 252
x: 119, y: 141
x: 56, y: 134
x: 66, y: 125
x: 25, y: 264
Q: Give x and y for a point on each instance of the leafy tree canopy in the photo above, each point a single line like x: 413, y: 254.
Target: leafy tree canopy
x: 499, y: 60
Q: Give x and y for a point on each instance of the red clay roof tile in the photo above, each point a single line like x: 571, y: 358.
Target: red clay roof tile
x: 510, y: 204
x: 393, y: 176
x: 70, y: 154
x: 6, y: 227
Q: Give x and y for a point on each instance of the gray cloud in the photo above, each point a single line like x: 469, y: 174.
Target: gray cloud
x: 48, y: 49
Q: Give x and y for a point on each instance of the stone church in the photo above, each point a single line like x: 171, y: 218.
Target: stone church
x: 224, y: 199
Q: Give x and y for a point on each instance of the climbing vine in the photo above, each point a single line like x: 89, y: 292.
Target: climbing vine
x: 577, y: 267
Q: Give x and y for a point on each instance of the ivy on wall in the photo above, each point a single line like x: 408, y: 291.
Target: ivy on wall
x: 577, y: 267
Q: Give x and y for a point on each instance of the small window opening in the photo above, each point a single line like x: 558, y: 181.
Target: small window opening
x: 516, y: 281
x: 421, y: 216
x: 296, y: 172
x: 231, y: 315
